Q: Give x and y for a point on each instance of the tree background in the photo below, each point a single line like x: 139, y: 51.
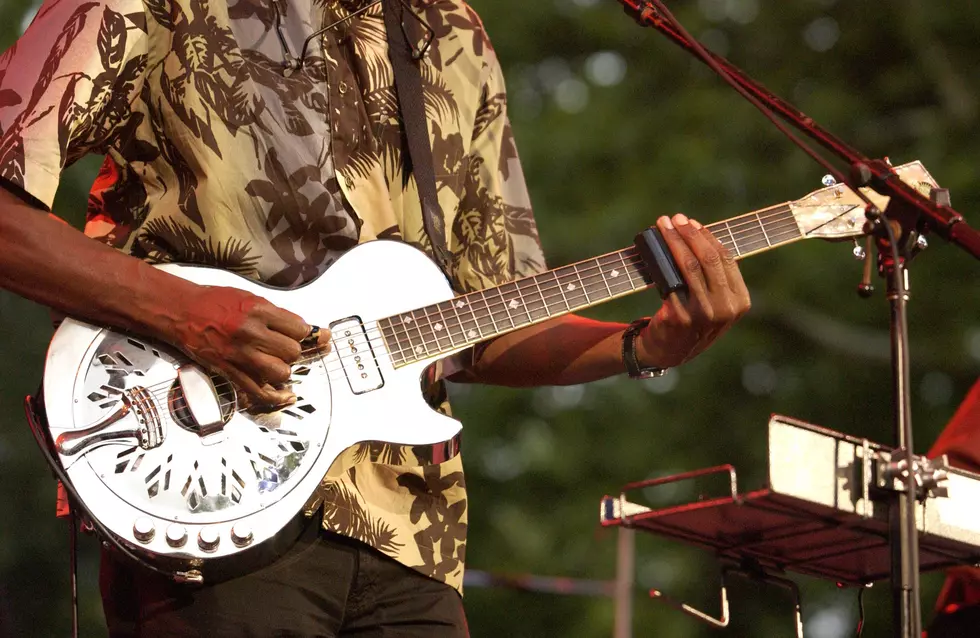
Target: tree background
x: 617, y: 126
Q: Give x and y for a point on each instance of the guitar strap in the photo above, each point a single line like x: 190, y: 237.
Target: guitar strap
x: 408, y: 86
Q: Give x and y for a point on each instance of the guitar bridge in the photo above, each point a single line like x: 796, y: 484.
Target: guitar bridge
x: 353, y: 347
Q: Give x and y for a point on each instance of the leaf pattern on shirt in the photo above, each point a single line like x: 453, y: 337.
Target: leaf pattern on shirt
x: 106, y: 111
x: 168, y: 240
x: 444, y: 536
x: 202, y: 76
x: 380, y: 452
x: 344, y: 512
x: 12, y: 151
x: 304, y: 232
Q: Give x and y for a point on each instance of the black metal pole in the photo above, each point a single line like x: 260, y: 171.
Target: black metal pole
x: 902, y: 532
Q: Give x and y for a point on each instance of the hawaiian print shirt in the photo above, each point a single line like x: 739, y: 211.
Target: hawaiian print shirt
x: 216, y: 156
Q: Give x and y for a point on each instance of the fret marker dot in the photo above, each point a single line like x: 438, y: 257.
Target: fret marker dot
x: 460, y: 304
x: 438, y: 327
x: 471, y: 334
x: 406, y: 319
x: 614, y: 273
x: 570, y: 287
x: 514, y: 303
x: 419, y: 350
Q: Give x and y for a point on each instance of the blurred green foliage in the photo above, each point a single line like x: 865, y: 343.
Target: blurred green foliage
x: 617, y: 126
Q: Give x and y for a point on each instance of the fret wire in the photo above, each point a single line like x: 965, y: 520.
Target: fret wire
x: 388, y: 345
x: 586, y: 277
x: 500, y: 295
x: 489, y: 310
x: 728, y: 227
x: 769, y: 213
x: 453, y: 324
x: 400, y: 342
x: 603, y: 276
x: 536, y: 294
x: 752, y: 227
x: 407, y: 333
x: 496, y: 304
x: 632, y: 269
x: 427, y: 319
x: 585, y: 290
x: 529, y: 309
x: 763, y: 227
x: 523, y: 302
x: 749, y: 225
x: 622, y: 257
x: 428, y: 328
x: 561, y: 289
x: 547, y: 308
x: 418, y: 326
x: 753, y: 234
x: 459, y: 320
x: 439, y: 322
x: 611, y: 261
x: 473, y: 317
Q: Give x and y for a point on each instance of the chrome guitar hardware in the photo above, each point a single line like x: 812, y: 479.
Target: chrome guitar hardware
x: 163, y: 456
x: 147, y: 431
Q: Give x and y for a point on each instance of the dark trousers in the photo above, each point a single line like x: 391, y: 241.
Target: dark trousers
x: 326, y: 585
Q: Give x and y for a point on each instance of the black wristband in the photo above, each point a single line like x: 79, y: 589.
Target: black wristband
x: 632, y: 364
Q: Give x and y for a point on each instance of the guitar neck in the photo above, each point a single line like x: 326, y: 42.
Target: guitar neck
x: 434, y: 331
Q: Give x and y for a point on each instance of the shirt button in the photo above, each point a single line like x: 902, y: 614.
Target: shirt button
x: 342, y: 88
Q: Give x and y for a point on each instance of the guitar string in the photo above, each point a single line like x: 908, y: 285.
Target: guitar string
x: 476, y: 317
x: 375, y: 334
x: 162, y: 390
x: 759, y: 235
x: 751, y: 219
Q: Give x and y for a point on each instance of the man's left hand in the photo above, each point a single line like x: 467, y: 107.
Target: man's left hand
x: 716, y: 297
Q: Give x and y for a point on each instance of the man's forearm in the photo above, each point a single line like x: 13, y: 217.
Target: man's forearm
x: 563, y: 351
x: 52, y: 263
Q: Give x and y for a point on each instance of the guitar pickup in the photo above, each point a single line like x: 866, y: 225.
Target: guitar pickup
x: 353, y: 347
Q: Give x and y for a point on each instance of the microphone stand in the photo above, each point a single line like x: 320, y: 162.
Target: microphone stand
x: 909, y: 215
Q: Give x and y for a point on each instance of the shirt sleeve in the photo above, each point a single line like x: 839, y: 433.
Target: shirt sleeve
x: 66, y: 89
x: 495, y: 194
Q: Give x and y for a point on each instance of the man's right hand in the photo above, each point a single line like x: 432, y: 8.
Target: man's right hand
x: 246, y: 338
x: 231, y: 331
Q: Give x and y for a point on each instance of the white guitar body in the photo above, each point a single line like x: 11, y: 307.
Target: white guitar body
x: 191, y: 493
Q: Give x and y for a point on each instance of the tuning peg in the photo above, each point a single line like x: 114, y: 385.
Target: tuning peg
x: 859, y: 252
x: 828, y: 180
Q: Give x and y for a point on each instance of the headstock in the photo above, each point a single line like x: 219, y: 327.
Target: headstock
x: 836, y: 212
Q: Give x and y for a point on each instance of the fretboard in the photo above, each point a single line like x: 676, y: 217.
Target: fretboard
x: 434, y: 331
